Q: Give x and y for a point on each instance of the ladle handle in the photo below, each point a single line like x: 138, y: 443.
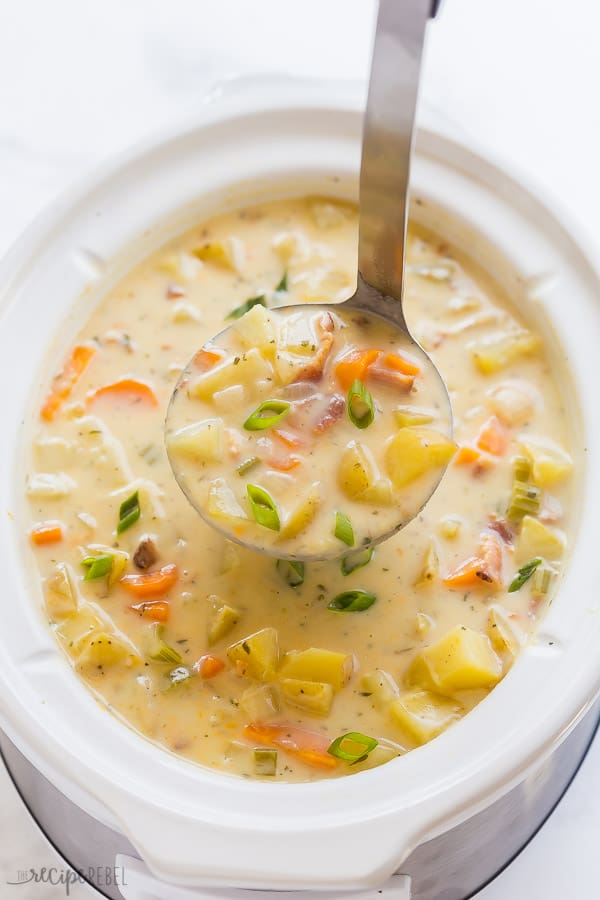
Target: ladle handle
x: 387, y: 141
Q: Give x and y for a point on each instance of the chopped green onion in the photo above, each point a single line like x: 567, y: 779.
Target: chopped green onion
x: 265, y: 762
x: 247, y: 464
x: 263, y: 507
x: 291, y: 570
x: 159, y: 650
x: 129, y: 512
x: 352, y: 747
x: 283, y: 284
x: 260, y: 418
x: 97, y: 566
x: 524, y: 574
x: 542, y: 579
x: 176, y: 676
x: 343, y: 529
x: 524, y: 501
x: 357, y: 560
x: 361, y: 411
x: 352, y: 601
x: 240, y: 311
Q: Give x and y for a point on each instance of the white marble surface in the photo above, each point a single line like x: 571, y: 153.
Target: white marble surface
x: 81, y: 79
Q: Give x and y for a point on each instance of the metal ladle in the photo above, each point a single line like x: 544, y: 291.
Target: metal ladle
x: 383, y: 204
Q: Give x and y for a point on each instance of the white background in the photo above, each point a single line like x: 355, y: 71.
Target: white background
x: 81, y: 79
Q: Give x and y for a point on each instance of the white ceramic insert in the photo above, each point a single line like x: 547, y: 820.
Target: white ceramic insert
x: 192, y: 825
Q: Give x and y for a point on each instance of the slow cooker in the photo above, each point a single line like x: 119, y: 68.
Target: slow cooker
x: 447, y: 816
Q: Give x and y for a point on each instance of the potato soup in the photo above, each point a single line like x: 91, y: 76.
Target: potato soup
x: 270, y: 668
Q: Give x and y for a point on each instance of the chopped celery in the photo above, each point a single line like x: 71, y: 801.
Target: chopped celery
x: 265, y: 761
x: 525, y: 500
x: 159, y: 650
x: 542, y: 580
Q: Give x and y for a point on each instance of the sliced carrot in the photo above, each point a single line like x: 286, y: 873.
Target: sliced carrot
x: 400, y: 364
x: 157, y: 610
x: 354, y: 366
x: 131, y: 389
x: 466, y: 455
x: 289, y: 438
x: 308, y: 746
x: 485, y: 568
x: 46, y: 533
x: 63, y: 384
x: 151, y: 583
x: 206, y: 359
x: 493, y: 437
x: 208, y: 666
x: 284, y: 463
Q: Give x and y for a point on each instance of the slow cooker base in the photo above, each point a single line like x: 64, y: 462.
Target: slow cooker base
x: 453, y: 866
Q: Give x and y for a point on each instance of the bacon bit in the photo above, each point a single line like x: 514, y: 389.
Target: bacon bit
x: 313, y: 371
x: 289, y: 438
x: 166, y: 347
x: 394, y: 377
x: 487, y: 567
x: 130, y: 388
x: 331, y: 414
x: 208, y: 666
x: 63, y: 384
x: 283, y: 463
x: 206, y: 359
x: 493, y: 437
x: 46, y: 533
x: 175, y: 292
x: 502, y: 528
x: 157, y: 610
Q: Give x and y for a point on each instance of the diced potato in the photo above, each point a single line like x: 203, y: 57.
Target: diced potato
x: 380, y: 493
x: 301, y: 517
x: 180, y: 265
x: 183, y: 312
x: 230, y: 561
x: 415, y: 450
x: 313, y: 697
x: 200, y: 441
x: 291, y: 245
x: 250, y: 367
x: 230, y: 399
x: 257, y: 656
x: 381, y: 686
x: 60, y: 593
x: 462, y: 660
x: 514, y: 401
x: 50, y: 485
x: 327, y: 214
x: 430, y: 568
x: 257, y: 329
x: 419, y: 675
x: 549, y: 462
x: 53, y: 453
x: 288, y: 365
x: 296, y: 335
x: 318, y: 665
x: 505, y: 635
x: 221, y: 619
x: 411, y: 415
x: 229, y: 253
x: 356, y: 470
x: 496, y: 354
x: 261, y: 702
x: 75, y: 630
x: 105, y: 648
x: 537, y: 539
x: 450, y: 527
x: 423, y: 715
x: 382, y: 753
x: 222, y: 503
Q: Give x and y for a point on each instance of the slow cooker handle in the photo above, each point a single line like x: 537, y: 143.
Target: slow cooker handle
x: 138, y: 883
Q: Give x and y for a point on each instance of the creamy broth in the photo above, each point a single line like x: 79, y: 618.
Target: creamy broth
x: 308, y: 432
x: 209, y: 663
